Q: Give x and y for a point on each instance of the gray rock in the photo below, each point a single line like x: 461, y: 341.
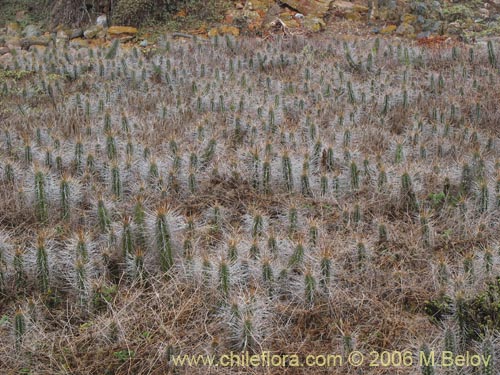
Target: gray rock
x: 13, y: 28
x: 92, y: 32
x: 432, y: 25
x: 423, y: 35
x: 436, y: 5
x: 78, y: 43
x: 314, y: 24
x: 125, y: 39
x: 102, y: 21
x: 38, y: 48
x: 31, y: 31
x: 13, y: 42
x: 485, y: 13
x: 436, y: 8
x: 421, y: 8
x: 75, y: 33
x: 61, y: 42
x: 405, y: 29
x: 26, y: 43
x: 62, y: 35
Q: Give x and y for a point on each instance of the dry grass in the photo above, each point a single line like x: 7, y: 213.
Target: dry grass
x: 189, y: 129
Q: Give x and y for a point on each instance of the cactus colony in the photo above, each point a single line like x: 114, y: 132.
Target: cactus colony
x: 285, y: 179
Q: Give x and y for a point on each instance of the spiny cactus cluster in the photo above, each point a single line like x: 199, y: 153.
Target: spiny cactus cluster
x: 300, y: 185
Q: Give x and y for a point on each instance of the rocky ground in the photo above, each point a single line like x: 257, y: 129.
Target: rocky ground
x: 262, y: 18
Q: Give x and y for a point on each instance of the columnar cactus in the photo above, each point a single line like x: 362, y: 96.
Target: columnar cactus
x: 266, y: 176
x: 232, y: 250
x: 425, y: 228
x: 491, y: 54
x: 139, y: 219
x: 19, y: 327
x: 254, y: 251
x: 163, y: 238
x: 483, y: 197
x: 41, y: 199
x: 287, y: 171
x: 65, y: 197
x: 293, y: 219
x: 224, y: 278
x: 297, y: 258
x: 354, y: 176
x: 116, y: 180
x: 42, y: 265
x: 427, y: 368
x: 309, y: 288
x: 326, y: 269
x: 408, y: 196
x: 103, y: 217
x: 127, y: 242
x: 136, y: 265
